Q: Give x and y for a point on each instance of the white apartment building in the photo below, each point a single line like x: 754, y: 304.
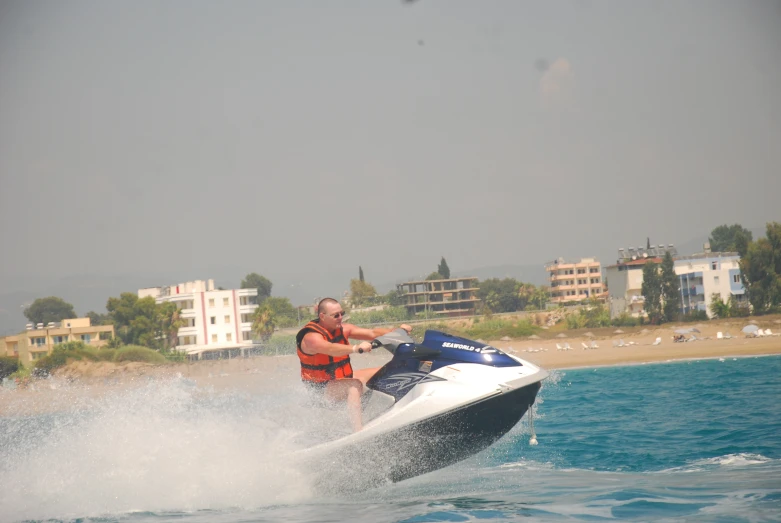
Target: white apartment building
x: 701, y: 276
x: 215, y: 320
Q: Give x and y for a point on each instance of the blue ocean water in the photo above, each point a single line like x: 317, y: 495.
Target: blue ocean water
x: 688, y: 441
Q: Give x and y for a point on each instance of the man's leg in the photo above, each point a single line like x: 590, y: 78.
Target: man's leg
x: 365, y: 374
x: 349, y: 390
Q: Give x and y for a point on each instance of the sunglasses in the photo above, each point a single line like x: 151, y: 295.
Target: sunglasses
x: 337, y: 315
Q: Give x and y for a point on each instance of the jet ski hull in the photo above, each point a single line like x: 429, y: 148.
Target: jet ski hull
x: 426, y: 445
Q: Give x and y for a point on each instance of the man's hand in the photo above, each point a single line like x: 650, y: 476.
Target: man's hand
x: 406, y: 328
x: 364, y: 345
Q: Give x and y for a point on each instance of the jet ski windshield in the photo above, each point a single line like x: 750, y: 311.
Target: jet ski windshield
x: 392, y: 340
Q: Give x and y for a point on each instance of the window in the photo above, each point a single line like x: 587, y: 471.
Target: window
x: 246, y: 336
x: 225, y: 302
x: 227, y: 319
x: 714, y: 265
x: 214, y: 338
x: 716, y: 280
x: 736, y: 278
x: 214, y: 320
x: 211, y: 302
x: 229, y: 337
x: 85, y: 338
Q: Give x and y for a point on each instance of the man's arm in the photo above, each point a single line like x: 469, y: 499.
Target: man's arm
x: 359, y: 333
x: 314, y: 343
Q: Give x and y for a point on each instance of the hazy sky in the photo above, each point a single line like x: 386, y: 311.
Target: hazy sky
x: 302, y: 137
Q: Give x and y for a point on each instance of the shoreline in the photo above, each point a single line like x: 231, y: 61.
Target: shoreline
x: 642, y: 351
x: 662, y: 362
x: 81, y: 380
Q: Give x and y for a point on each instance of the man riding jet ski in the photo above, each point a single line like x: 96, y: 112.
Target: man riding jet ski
x: 433, y: 404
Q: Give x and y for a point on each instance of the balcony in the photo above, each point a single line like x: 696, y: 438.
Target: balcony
x: 248, y: 309
x: 188, y: 331
x: 187, y: 313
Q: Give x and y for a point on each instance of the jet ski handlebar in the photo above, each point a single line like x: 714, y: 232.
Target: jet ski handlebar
x: 392, y: 340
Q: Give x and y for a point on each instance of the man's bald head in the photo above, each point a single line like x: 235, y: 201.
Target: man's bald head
x: 322, y: 306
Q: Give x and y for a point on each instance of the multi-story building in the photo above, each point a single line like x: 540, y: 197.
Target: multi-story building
x: 575, y: 280
x: 701, y: 276
x: 450, y: 297
x: 39, y: 340
x: 215, y: 320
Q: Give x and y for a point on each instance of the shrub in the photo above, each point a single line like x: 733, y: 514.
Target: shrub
x: 496, y: 328
x: 694, y: 316
x: 138, y: 353
x: 62, y: 354
x: 50, y: 362
x: 106, y: 354
x: 8, y: 365
x: 385, y: 316
x: 625, y: 320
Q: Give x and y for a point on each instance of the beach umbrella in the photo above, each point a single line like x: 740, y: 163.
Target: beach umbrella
x: 618, y: 331
x: 750, y: 328
x: 534, y: 337
x: 589, y: 334
x: 505, y: 338
x: 682, y: 331
x: 694, y: 329
x: 562, y: 335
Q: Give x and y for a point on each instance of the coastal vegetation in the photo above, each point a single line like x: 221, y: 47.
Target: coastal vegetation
x: 661, y: 289
x: 760, y: 269
x: 64, y: 353
x: 8, y: 365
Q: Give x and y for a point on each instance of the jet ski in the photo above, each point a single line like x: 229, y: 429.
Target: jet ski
x: 433, y: 404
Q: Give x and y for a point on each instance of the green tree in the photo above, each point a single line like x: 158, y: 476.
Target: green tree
x: 507, y: 298
x: 254, y: 280
x: 170, y: 322
x: 671, y: 289
x: 434, y: 276
x: 491, y: 303
x: 730, y: 238
x: 652, y: 292
x: 394, y: 298
x: 264, y: 322
x: 760, y: 270
x: 361, y: 292
x: 443, y: 269
x: 540, y: 297
x: 718, y: 308
x: 285, y: 314
x: 44, y: 310
x: 95, y: 318
x: 137, y: 321
x: 360, y: 273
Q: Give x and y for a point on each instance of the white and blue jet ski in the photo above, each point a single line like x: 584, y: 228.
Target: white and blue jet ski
x: 433, y: 404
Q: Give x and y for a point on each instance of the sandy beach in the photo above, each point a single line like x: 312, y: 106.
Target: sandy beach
x: 545, y: 353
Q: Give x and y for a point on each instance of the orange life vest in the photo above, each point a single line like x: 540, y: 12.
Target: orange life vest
x: 320, y: 368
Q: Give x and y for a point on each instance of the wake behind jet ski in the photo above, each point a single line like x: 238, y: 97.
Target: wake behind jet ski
x: 433, y: 404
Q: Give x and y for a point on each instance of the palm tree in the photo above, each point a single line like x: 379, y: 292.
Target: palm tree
x: 264, y: 322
